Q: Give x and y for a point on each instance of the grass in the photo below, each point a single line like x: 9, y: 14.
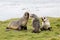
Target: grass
x: 28, y: 35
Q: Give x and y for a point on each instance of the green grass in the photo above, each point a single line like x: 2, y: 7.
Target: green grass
x: 28, y: 35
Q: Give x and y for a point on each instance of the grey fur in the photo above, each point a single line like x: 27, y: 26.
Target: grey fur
x: 35, y: 23
x: 45, y: 24
x: 19, y: 24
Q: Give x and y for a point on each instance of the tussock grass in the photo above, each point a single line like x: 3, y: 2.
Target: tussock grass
x: 28, y: 35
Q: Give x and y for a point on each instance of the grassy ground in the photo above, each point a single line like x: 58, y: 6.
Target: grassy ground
x: 28, y: 35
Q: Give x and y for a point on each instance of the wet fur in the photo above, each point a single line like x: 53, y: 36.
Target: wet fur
x: 35, y: 23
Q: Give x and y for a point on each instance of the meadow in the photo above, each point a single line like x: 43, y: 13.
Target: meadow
x: 28, y: 35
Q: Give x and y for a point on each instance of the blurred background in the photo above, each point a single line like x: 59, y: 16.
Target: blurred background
x: 16, y: 8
